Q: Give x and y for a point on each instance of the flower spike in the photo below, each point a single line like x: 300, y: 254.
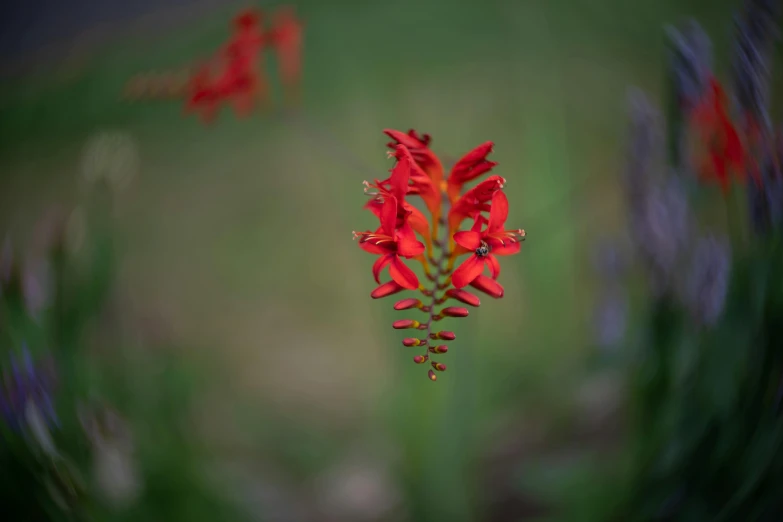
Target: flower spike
x: 418, y: 173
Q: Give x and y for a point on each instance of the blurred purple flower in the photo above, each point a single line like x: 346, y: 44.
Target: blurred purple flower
x: 26, y: 384
x: 766, y: 202
x: 691, y: 62
x: 611, y: 316
x: 660, y: 229
x: 36, y: 286
x: 756, y: 33
x: 644, y: 147
x: 708, y: 280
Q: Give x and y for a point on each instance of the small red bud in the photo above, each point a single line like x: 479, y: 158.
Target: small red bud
x: 432, y: 375
x: 439, y: 366
x: 488, y: 285
x: 405, y: 304
x: 411, y: 341
x: 454, y: 311
x: 402, y: 324
x: 386, y: 289
x: 463, y: 296
x: 439, y: 349
x: 421, y: 359
x: 446, y: 336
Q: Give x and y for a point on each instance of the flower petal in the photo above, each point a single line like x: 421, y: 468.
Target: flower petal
x: 498, y: 212
x: 379, y: 264
x: 507, y: 249
x: 407, y: 244
x: 469, y: 270
x: 418, y: 221
x: 471, y: 239
x: 401, y: 173
x: 472, y: 165
x: 389, y: 216
x: 402, y: 275
x: 494, y: 265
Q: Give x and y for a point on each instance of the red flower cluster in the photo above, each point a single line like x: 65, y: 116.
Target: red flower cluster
x: 721, y: 147
x: 419, y: 172
x: 235, y: 75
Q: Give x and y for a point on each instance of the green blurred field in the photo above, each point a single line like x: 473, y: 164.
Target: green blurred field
x: 237, y: 237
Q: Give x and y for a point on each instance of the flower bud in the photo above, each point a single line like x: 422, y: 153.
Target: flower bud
x: 463, y: 296
x: 454, y: 311
x: 412, y: 341
x: 432, y: 375
x: 446, y: 336
x: 405, y: 304
x: 488, y: 285
x: 421, y: 359
x: 386, y: 289
x: 403, y: 324
x: 439, y: 366
x: 439, y: 349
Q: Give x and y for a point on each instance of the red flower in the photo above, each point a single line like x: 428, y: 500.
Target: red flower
x: 420, y: 150
x: 723, y: 149
x: 287, y: 39
x: 397, y: 186
x: 495, y: 240
x: 474, y: 201
x: 471, y: 166
x: 392, y: 243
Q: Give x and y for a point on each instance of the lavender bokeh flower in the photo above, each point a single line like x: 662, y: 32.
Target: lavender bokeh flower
x: 610, y: 317
x: 660, y: 231
x: 708, y: 280
x: 645, y: 146
x: 690, y: 61
x: 756, y: 33
x: 27, y: 384
x: 766, y: 201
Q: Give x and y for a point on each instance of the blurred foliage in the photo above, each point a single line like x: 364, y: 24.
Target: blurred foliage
x: 218, y: 222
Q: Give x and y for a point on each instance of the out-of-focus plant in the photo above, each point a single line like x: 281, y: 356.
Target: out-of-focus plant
x: 704, y: 359
x: 419, y: 172
x: 78, y: 441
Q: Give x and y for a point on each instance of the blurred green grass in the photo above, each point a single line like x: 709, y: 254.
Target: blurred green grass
x: 238, y: 236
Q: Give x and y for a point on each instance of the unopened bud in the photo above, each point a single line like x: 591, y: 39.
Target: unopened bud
x: 403, y: 324
x: 488, y: 285
x: 446, y: 336
x: 421, y: 359
x: 405, y: 304
x: 412, y: 341
x: 432, y: 376
x: 439, y: 366
x: 386, y: 289
x: 463, y: 296
x: 454, y: 311
x: 439, y: 349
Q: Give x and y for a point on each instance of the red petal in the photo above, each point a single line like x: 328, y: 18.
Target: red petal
x: 374, y: 249
x: 401, y: 173
x: 402, y: 275
x: 386, y: 289
x: 469, y: 270
x: 507, y: 249
x: 407, y: 244
x: 405, y: 139
x: 472, y: 165
x: 498, y: 212
x: 389, y: 216
x: 418, y: 221
x: 494, y: 266
x: 488, y: 285
x: 470, y: 240
x: 379, y: 264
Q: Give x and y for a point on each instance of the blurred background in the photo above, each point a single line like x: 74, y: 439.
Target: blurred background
x: 240, y: 305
